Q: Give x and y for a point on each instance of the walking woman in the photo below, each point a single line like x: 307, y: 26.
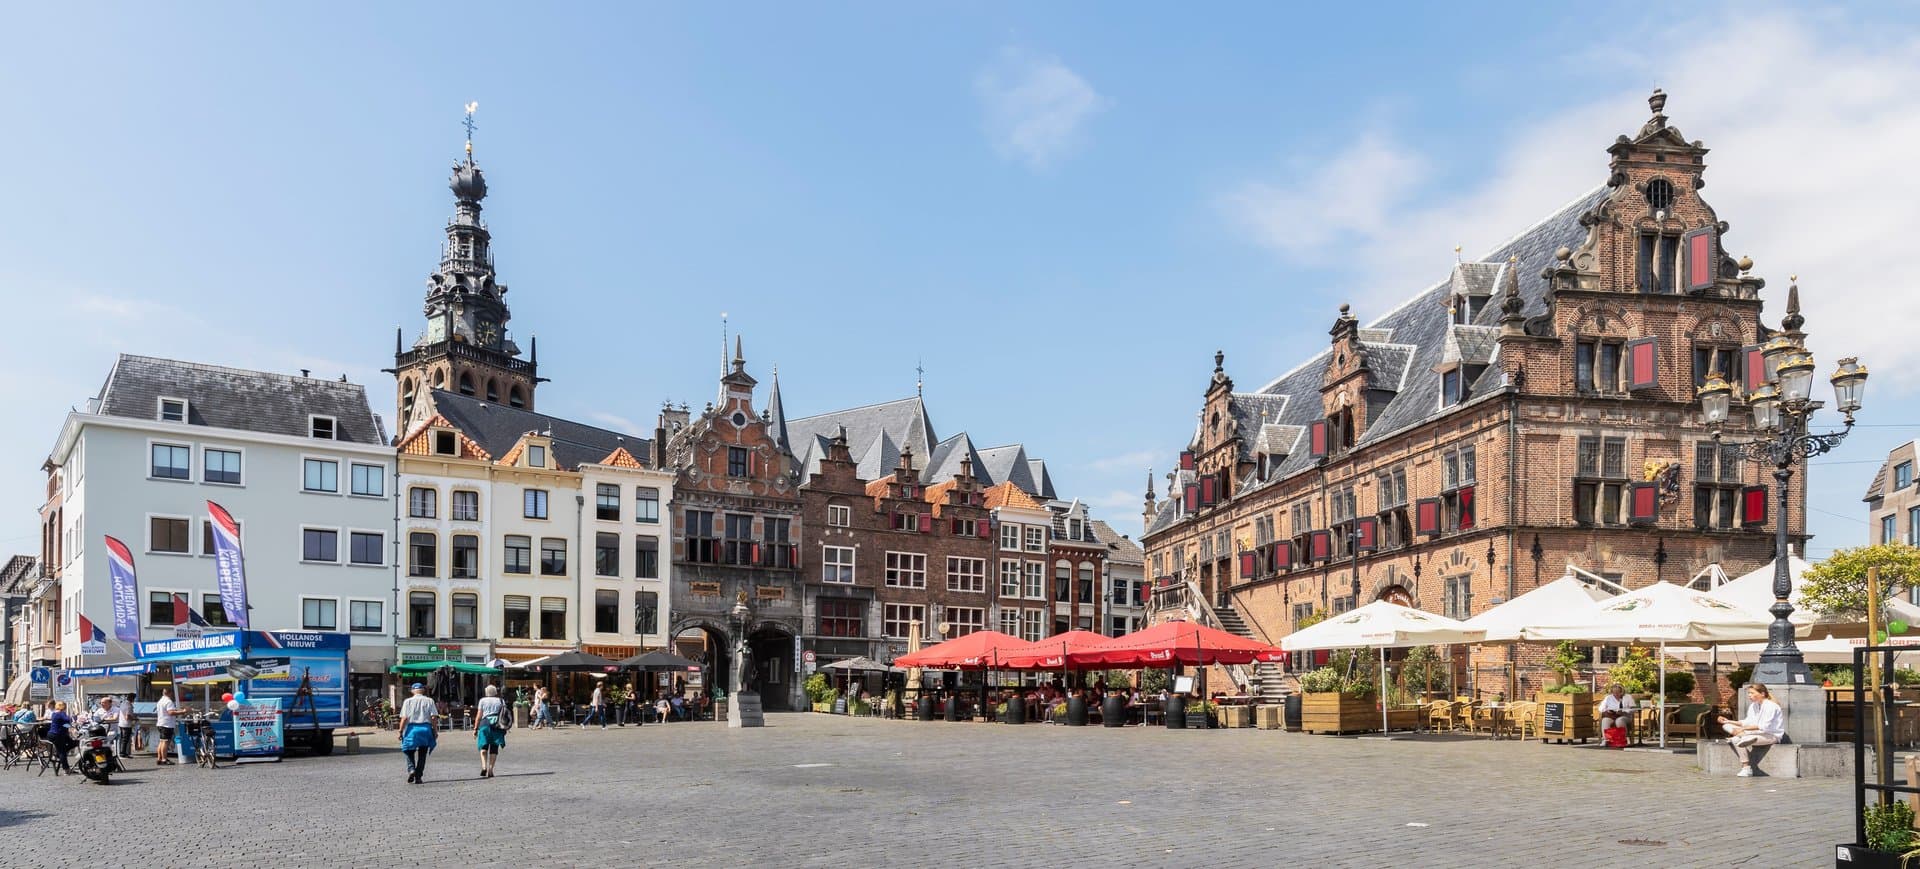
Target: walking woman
x: 491, y: 734
x: 417, y: 738
x: 60, y: 733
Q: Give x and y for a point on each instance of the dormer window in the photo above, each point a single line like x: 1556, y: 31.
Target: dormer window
x: 536, y: 456
x: 173, y: 410
x: 1074, y: 529
x: 321, y: 427
x: 445, y: 443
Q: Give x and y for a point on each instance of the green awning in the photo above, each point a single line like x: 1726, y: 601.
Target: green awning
x: 428, y: 668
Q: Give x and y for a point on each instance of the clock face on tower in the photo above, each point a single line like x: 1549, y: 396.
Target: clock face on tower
x: 487, y: 330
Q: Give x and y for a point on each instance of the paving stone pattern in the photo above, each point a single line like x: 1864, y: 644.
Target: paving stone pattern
x: 813, y: 789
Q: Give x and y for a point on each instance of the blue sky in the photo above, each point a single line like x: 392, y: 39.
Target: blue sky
x: 1061, y: 210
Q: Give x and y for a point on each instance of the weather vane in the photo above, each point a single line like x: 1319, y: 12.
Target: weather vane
x: 468, y: 123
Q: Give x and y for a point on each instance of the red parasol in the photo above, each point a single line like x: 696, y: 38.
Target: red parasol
x: 973, y: 650
x: 1168, y: 643
x: 1052, y: 653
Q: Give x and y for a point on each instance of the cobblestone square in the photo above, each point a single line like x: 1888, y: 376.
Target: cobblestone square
x: 818, y: 790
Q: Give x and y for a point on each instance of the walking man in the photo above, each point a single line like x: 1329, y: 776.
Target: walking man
x: 417, y: 738
x: 598, y: 709
x: 163, y: 721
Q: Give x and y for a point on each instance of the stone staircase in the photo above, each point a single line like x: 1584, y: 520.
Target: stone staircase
x: 1269, y: 679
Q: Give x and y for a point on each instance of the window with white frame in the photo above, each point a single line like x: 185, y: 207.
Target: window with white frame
x: 1010, y: 621
x: 320, y: 545
x: 536, y: 456
x: 172, y: 462
x: 323, y: 427
x: 964, y: 620
x: 646, y: 504
x: 173, y: 410
x: 1010, y: 537
x: 906, y: 570
x: 1032, y: 623
x: 1009, y: 580
x: 423, y: 502
x: 320, y: 475
x: 836, y: 564
x: 966, y: 574
x: 367, y: 547
x: 1036, y: 538
x: 168, y: 534
x: 319, y: 614
x: 364, y: 616
x: 220, y: 466
x: 646, y: 557
x: 534, y: 504
x: 899, y: 619
x: 1036, y: 580
x: 466, y: 506
x: 368, y: 480
x: 839, y: 515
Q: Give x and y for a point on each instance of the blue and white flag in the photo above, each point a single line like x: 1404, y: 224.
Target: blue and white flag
x: 126, y: 592
x: 229, y: 568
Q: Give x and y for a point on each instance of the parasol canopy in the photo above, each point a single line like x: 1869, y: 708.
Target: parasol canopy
x: 978, y: 649
x: 1661, y: 612
x: 860, y: 665
x: 573, y: 662
x: 1382, y: 625
x: 1176, y: 642
x: 658, y: 659
x: 1052, y: 653
x: 1509, y: 621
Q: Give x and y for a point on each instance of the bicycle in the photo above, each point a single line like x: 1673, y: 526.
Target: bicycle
x: 205, y: 744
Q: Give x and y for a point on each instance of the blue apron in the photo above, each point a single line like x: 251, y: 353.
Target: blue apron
x: 418, y: 735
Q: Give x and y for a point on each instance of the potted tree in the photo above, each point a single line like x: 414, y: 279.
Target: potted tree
x: 1338, y: 698
x: 1566, y: 707
x: 1890, y: 838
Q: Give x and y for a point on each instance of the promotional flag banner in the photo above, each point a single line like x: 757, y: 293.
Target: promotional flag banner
x: 126, y: 592
x: 228, y: 566
x: 93, y: 640
x: 187, y: 622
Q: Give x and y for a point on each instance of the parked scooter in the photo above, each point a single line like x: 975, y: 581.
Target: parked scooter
x: 97, y: 762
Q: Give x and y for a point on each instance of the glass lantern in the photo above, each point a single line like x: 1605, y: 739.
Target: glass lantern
x: 1849, y: 385
x: 1796, y: 378
x: 1715, y: 397
x: 1775, y: 352
x: 1765, y: 403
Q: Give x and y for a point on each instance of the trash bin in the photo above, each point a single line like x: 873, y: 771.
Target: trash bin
x: 522, y: 714
x: 1016, y: 710
x: 1293, y: 712
x: 924, y: 707
x: 1076, y: 711
x: 1176, y: 711
x: 953, y: 709
x: 1113, y: 711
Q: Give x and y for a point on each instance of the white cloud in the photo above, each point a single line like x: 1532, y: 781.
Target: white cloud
x: 1133, y: 461
x: 1118, y: 508
x: 615, y: 422
x: 1035, y: 107
x: 1811, y: 132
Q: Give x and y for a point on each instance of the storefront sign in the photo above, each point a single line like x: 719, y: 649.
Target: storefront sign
x: 228, y: 642
x: 257, y: 729
x: 770, y: 592
x: 272, y: 668
x: 202, y: 671
x: 704, y: 588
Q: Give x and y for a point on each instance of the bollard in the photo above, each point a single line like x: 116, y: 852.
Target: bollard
x: 1016, y: 710
x: 1113, y: 710
x: 1176, y: 709
x: 1076, y: 711
x: 353, y: 743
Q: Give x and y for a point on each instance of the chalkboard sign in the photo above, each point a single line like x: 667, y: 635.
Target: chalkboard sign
x: 1197, y: 720
x: 1554, y: 717
x: 840, y: 705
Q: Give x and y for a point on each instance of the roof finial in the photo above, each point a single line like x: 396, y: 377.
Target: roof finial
x: 1793, y: 321
x: 723, y: 342
x: 1219, y: 361
x: 1149, y: 483
x: 739, y: 358
x: 468, y: 123
x: 1456, y: 255
x: 919, y: 377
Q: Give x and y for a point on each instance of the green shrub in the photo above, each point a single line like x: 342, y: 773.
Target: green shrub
x: 1566, y: 688
x: 1890, y: 826
x: 1565, y: 662
x: 819, y: 688
x: 1679, y: 681
x: 1907, y: 677
x: 1324, y: 680
x: 1154, y: 681
x: 1739, y: 677
x: 1425, y: 670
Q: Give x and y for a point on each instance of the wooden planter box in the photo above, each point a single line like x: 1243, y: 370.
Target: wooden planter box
x: 1567, y: 717
x: 1331, y: 712
x: 1236, y: 716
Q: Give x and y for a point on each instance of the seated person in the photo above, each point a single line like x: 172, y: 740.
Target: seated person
x: 1764, y: 724
x: 1617, y: 710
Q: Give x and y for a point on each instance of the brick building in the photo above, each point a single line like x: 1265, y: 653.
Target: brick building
x: 736, y: 532
x: 1893, y: 502
x: 1534, y: 410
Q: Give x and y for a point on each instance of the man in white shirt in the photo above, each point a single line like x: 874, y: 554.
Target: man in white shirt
x: 417, y: 737
x: 1764, y: 724
x: 1617, y: 711
x: 163, y: 721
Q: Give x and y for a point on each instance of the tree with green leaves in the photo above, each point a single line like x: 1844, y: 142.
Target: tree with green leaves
x: 1837, y: 587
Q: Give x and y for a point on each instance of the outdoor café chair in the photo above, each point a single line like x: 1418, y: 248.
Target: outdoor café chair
x: 1440, y: 715
x: 1463, y: 714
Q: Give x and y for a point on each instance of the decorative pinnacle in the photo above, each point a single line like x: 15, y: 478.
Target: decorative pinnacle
x: 1793, y: 321
x: 1219, y: 361
x: 468, y: 123
x: 1658, y: 103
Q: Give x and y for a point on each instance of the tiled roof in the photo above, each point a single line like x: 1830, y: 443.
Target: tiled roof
x: 936, y: 494
x: 620, y: 458
x: 417, y: 443
x: 1009, y: 495
x: 235, y: 398
x: 1042, y: 481
x: 497, y: 428
x: 19, y: 574
x: 1882, y: 484
x: 878, y: 488
x: 1121, y: 549
x: 889, y: 425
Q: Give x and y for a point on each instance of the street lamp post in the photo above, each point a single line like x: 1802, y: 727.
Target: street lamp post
x: 1782, y: 411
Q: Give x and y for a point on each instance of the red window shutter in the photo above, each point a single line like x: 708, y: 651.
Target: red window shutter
x: 1283, y: 555
x: 793, y: 555
x: 1643, y: 503
x: 1466, y: 509
x: 1247, y: 566
x: 754, y: 553
x: 1753, y: 506
x: 1186, y: 460
x: 1317, y: 438
x: 1755, y: 374
x: 1320, y: 543
x: 1191, y: 495
x: 1140, y: 594
x: 1643, y: 363
x: 1369, y: 529
x: 1321, y: 656
x: 1207, y: 494
x: 926, y: 523
x: 1701, y: 256
x: 985, y: 527
x: 1426, y: 516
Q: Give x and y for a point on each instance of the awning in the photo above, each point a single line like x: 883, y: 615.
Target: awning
x: 85, y: 673
x: 427, y: 668
x: 1168, y: 643
x: 975, y: 650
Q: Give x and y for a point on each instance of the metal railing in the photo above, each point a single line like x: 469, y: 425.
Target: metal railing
x: 1186, y: 597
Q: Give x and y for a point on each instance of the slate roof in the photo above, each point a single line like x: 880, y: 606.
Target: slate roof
x: 236, y: 398
x: 1007, y: 464
x: 497, y: 428
x: 1120, y: 549
x: 944, y: 463
x: 1042, y: 481
x: 1420, y: 327
x: 1470, y: 345
x: 903, y: 422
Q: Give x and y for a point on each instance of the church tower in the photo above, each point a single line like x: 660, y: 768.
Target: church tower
x: 464, y: 347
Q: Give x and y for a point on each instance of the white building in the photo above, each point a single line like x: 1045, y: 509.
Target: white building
x: 528, y: 535
x: 302, y: 463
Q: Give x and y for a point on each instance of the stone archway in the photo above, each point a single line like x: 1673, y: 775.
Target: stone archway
x: 714, y: 652
x: 772, y: 673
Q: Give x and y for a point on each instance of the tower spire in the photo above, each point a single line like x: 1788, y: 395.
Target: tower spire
x: 468, y: 123
x: 919, y: 377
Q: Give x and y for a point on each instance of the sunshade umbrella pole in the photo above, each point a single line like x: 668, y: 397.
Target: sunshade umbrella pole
x: 1663, y: 694
x: 1383, y: 691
